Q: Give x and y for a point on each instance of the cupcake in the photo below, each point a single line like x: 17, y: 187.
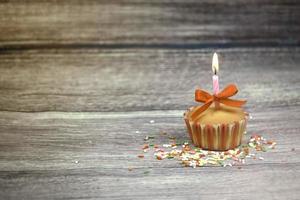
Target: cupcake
x: 220, y: 123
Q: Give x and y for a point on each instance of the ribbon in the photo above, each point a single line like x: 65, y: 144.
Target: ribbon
x: 221, y: 97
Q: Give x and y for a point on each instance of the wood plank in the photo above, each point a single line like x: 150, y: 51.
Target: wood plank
x: 142, y: 22
x: 139, y: 79
x: 165, y: 183
x: 38, y: 154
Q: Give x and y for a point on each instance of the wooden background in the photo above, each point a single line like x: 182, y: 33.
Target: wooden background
x: 79, y: 78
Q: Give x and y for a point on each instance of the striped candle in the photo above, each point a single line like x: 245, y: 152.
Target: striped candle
x: 215, y: 69
x: 216, y: 84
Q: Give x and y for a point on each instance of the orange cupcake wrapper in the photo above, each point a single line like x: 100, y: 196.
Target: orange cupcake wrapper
x: 218, y: 137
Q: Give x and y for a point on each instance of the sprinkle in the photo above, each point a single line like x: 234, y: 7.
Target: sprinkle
x: 145, y: 146
x: 193, y: 164
x: 152, y: 121
x: 159, y: 150
x: 191, y: 156
x: 252, y: 145
x: 163, y: 133
x: 141, y: 156
x: 137, y: 132
x: 158, y: 157
x: 148, y: 137
x: 192, y: 152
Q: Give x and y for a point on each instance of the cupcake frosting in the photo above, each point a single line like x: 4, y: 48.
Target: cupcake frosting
x: 221, y: 115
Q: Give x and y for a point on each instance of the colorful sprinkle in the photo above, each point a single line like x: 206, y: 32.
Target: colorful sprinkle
x: 148, y: 138
x: 191, y: 156
x: 141, y: 156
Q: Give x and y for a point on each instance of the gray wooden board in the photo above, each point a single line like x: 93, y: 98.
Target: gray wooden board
x: 38, y: 154
x: 139, y: 79
x: 78, y: 79
x: 160, y: 22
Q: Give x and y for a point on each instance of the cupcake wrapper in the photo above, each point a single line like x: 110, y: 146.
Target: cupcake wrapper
x: 216, y: 137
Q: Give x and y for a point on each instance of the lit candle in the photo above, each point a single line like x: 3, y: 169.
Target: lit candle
x: 215, y: 69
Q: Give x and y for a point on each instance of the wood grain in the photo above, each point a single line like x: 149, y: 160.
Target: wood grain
x: 80, y: 78
x: 163, y: 22
x: 38, y: 154
x: 132, y: 80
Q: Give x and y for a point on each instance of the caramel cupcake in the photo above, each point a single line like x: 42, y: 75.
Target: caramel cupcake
x: 220, y: 123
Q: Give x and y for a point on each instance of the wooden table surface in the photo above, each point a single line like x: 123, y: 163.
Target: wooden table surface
x: 81, y: 80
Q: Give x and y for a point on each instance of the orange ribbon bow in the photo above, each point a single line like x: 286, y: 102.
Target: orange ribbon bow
x: 221, y: 97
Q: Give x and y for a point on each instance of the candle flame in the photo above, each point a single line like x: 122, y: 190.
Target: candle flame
x: 215, y: 64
